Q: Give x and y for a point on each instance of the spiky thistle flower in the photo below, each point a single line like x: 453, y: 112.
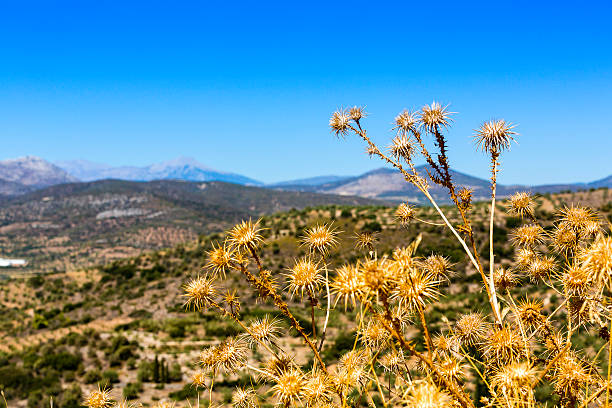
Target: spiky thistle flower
x: 437, y: 265
x: 352, y: 370
x: 375, y: 276
x: 529, y: 311
x: 427, y: 395
x: 444, y: 344
x: 451, y: 368
x: 470, y: 329
x: 577, y: 218
x: 365, y: 240
x: 246, y: 235
x: 597, y: 260
x: 200, y: 292
x: 494, y: 136
x: 416, y: 290
x: 318, y: 388
x: 524, y: 257
x: 402, y: 147
x: 232, y: 302
x: 570, y: 376
x: 347, y: 285
x: 503, y: 346
x: 264, y: 330
x: 230, y: 355
x: 278, y: 365
x: 123, y: 403
x: 505, y: 278
x: 405, y: 213
x: 465, y: 198
x: 393, y: 361
x: 320, y: 238
x: 373, y: 335
x: 514, y: 379
x: 289, y: 387
x: 99, y: 398
x: 406, y: 121
x: 219, y: 258
x: 541, y: 267
x: 565, y: 239
x: 520, y: 204
x: 356, y: 113
x: 527, y: 235
x: 339, y: 122
x: 435, y: 116
x: 198, y: 379
x: 305, y: 276
x: 244, y: 398
x: 576, y: 280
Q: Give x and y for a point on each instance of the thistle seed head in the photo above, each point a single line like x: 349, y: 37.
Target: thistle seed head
x: 305, y: 276
x: 200, y: 292
x: 520, y: 204
x: 347, y: 285
x: 339, y: 122
x: 435, y: 116
x: 99, y: 398
x: 494, y: 136
x: 405, y: 213
x: 246, y: 235
x: 406, y: 121
x: 320, y: 238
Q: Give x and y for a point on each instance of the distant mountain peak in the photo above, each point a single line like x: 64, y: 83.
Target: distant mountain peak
x: 30, y: 172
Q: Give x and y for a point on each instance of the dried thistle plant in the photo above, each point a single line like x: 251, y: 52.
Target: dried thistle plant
x: 511, y: 344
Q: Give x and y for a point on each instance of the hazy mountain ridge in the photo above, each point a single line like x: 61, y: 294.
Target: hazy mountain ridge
x: 182, y: 168
x: 23, y: 174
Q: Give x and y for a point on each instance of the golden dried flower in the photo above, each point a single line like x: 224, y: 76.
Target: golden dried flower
x: 200, y: 292
x: 373, y: 335
x: 503, y: 346
x: 305, y: 276
x: 514, y: 379
x: 577, y: 218
x: 339, y: 122
x: 219, y: 258
x: 427, y: 395
x: 318, y: 388
x: 470, y: 329
x: 232, y: 302
x: 576, y: 280
x: 357, y: 113
x: 435, y: 116
x: 541, y: 267
x: 565, y: 238
x: 402, y: 147
x: 198, y: 379
x: 320, y: 238
x: 416, y: 290
x: 244, y: 398
x: 444, y: 344
x: 405, y: 213
x: 347, y: 285
x: 365, y: 240
x: 230, y: 355
x: 352, y: 369
x: 529, y: 311
x: 465, y: 198
x: 524, y: 257
x: 520, y: 204
x: 570, y: 376
x: 438, y: 266
x: 99, y: 398
x: 451, y: 368
x: 289, y: 387
x: 494, y: 136
x: 505, y: 278
x: 264, y: 330
x: 406, y: 121
x: 246, y: 235
x: 597, y: 260
x: 527, y: 235
x: 375, y: 275
x: 393, y: 361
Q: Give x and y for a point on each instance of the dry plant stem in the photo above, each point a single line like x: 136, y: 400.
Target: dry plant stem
x: 494, y: 163
x: 595, y: 395
x: 609, y: 365
x: 312, y: 315
x: 266, y: 289
x: 320, y: 347
x: 549, y: 365
x: 395, y: 330
x: 411, y: 178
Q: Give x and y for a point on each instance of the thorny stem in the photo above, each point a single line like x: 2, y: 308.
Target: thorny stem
x: 266, y: 289
x: 395, y: 330
x: 320, y: 347
x: 494, y: 162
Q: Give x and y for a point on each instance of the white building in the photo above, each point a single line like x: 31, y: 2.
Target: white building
x: 5, y: 263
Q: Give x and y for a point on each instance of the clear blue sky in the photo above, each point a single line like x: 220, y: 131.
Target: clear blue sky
x: 249, y: 87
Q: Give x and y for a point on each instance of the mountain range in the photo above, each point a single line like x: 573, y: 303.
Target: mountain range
x: 22, y: 175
